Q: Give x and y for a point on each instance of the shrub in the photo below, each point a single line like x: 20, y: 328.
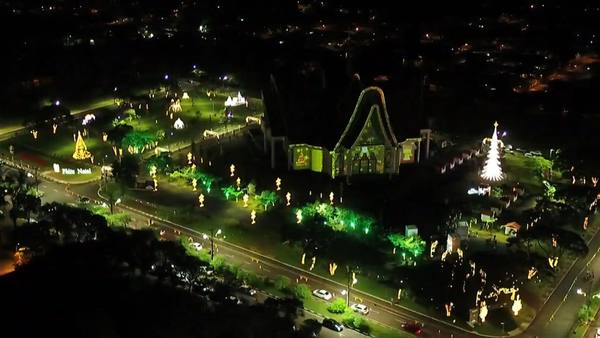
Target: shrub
x: 252, y: 278
x: 282, y: 283
x: 337, y: 306
x: 357, y: 323
x: 302, y: 291
x: 219, y: 264
x: 241, y: 275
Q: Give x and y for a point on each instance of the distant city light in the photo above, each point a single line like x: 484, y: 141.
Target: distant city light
x: 57, y: 103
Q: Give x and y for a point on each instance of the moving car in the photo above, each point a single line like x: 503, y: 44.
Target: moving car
x: 323, y: 294
x: 360, y: 308
x: 415, y: 328
x: 333, y: 324
x: 196, y: 246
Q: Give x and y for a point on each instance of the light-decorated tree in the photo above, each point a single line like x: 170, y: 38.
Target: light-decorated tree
x: 267, y: 198
x: 81, y: 152
x: 492, y: 170
x: 412, y: 245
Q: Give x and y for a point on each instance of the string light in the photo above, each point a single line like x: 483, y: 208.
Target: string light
x: 492, y: 170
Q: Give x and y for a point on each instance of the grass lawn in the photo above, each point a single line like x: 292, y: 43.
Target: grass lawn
x: 579, y: 331
x: 199, y: 113
x: 12, y: 122
x: 579, y: 328
x: 58, y: 148
x: 519, y: 168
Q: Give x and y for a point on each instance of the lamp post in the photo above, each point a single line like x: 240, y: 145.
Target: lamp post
x: 37, y: 179
x: 351, y: 280
x: 212, y: 241
x: 590, y: 290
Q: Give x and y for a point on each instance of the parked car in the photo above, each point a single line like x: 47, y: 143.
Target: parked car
x: 323, y: 294
x: 415, y: 327
x: 233, y: 300
x: 333, y: 324
x: 208, y: 289
x: 247, y: 289
x: 598, y: 333
x: 84, y: 200
x: 360, y: 308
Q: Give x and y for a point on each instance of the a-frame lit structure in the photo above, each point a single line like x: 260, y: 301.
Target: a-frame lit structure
x: 368, y: 144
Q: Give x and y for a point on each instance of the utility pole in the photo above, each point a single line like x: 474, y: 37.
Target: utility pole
x: 37, y: 180
x: 351, y: 281
x: 212, y: 244
x: 591, y: 289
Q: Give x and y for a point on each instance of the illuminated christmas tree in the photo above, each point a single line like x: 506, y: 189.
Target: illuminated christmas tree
x: 81, y: 152
x: 492, y: 170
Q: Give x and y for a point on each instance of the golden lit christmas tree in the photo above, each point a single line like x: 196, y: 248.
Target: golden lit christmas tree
x: 81, y: 152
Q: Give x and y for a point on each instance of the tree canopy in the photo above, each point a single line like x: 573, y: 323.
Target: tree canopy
x: 412, y: 245
x: 126, y: 170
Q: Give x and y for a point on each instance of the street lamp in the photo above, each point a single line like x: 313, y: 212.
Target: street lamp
x: 212, y: 241
x: 351, y: 281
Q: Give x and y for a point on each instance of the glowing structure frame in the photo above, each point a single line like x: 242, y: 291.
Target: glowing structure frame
x: 372, y: 149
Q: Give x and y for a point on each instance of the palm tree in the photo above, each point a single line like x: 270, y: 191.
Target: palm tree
x: 267, y: 197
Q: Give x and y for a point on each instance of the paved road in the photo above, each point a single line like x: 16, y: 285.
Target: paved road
x: 553, y: 320
x: 556, y: 318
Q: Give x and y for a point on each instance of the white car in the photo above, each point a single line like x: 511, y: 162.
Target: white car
x: 196, y: 246
x: 360, y: 308
x: 598, y: 333
x: 323, y: 294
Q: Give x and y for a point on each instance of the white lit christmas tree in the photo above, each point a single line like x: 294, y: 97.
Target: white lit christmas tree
x: 492, y: 170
